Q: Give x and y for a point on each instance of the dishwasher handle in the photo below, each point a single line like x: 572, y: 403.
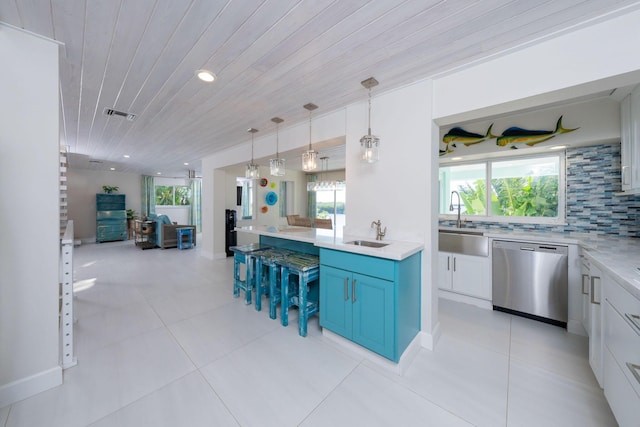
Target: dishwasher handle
x: 527, y: 248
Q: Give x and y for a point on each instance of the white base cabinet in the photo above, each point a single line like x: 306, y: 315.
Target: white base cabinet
x: 465, y: 274
x: 622, y: 353
x: 595, y: 321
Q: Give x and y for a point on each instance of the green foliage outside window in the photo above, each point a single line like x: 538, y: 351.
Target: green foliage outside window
x: 169, y: 195
x: 522, y: 196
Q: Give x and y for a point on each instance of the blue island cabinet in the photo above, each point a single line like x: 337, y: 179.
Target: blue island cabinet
x: 374, y: 302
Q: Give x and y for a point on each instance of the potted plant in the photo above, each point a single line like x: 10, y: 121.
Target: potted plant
x: 131, y: 214
x: 109, y: 189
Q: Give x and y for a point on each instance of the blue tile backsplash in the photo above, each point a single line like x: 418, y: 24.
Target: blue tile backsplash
x: 593, y: 176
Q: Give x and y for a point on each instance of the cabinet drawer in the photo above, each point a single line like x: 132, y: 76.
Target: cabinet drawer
x: 624, y: 343
x: 623, y: 400
x: 363, y: 264
x: 623, y: 302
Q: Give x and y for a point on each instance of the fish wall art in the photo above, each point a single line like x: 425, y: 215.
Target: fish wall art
x: 513, y: 137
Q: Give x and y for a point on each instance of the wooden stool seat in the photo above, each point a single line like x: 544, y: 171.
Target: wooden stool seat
x: 268, y: 277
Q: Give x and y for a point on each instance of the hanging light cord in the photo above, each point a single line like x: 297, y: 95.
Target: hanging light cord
x: 277, y: 142
x: 369, y: 111
x: 252, y: 148
x: 309, y: 130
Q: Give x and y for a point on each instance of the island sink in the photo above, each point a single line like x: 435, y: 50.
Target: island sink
x: 367, y: 244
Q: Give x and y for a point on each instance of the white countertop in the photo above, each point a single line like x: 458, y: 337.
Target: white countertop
x: 619, y: 256
x: 395, y: 250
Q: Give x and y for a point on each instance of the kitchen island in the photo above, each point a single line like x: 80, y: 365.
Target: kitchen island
x: 369, y: 296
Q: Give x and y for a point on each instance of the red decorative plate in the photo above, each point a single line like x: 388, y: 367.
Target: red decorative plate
x: 263, y: 182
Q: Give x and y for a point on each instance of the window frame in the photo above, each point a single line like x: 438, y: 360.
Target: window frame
x: 173, y: 195
x: 562, y: 192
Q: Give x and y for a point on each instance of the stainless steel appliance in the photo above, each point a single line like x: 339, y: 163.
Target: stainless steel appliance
x: 530, y: 279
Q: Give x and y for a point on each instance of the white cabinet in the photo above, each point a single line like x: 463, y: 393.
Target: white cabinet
x: 622, y: 353
x: 595, y: 321
x: 465, y: 274
x: 586, y: 301
x: 630, y: 141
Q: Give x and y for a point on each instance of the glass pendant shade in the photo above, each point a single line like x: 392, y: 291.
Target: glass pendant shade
x: 252, y: 171
x: 277, y: 165
x: 369, y: 144
x: 309, y: 160
x: 369, y: 148
x: 310, y: 157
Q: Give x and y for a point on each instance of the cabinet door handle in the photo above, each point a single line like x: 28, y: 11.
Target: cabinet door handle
x: 448, y: 263
x: 635, y: 321
x: 454, y: 264
x: 593, y: 287
x: 585, y: 276
x: 353, y: 292
x: 346, y: 288
x: 634, y: 370
x: 626, y: 175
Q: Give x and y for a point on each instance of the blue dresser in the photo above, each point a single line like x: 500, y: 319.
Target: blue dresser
x: 111, y: 217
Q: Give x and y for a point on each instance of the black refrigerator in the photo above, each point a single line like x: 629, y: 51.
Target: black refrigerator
x: 230, y: 233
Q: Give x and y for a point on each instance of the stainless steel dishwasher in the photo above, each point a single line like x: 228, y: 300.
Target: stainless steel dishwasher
x: 530, y: 279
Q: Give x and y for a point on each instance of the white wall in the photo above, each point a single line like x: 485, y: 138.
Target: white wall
x: 30, y: 244
x: 588, y: 60
x: 83, y: 185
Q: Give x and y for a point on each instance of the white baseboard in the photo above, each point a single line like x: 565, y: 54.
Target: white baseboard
x: 478, y: 302
x: 575, y: 327
x: 220, y: 255
x: 397, y: 368
x: 27, y: 387
x: 429, y: 341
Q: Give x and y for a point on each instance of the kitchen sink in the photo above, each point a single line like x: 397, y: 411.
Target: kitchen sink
x: 367, y: 244
x: 466, y: 242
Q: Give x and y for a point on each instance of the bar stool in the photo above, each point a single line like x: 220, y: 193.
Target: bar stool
x: 268, y: 277
x: 305, y: 296
x: 184, y: 232
x: 245, y: 254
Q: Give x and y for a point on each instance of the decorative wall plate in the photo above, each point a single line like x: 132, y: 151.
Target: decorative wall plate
x: 264, y: 209
x: 263, y: 182
x: 273, y: 185
x: 271, y: 198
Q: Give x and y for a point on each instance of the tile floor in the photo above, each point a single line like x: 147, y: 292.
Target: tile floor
x: 161, y: 341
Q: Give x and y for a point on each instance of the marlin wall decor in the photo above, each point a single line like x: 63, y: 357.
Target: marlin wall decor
x: 513, y: 137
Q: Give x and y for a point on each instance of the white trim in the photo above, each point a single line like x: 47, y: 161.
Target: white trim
x: 453, y: 296
x: 429, y: 341
x: 28, y: 386
x: 399, y: 368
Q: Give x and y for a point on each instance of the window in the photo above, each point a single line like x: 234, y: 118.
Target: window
x: 246, y: 203
x: 173, y: 195
x: 329, y: 204
x: 522, y: 189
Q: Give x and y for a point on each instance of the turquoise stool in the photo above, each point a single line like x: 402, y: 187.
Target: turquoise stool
x: 184, y: 232
x: 245, y: 254
x: 305, y: 295
x: 268, y: 277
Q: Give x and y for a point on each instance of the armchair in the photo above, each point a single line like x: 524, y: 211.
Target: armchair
x: 166, y: 235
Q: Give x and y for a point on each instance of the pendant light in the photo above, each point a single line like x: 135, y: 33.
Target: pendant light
x: 277, y: 165
x: 369, y: 144
x: 252, y: 171
x: 310, y: 157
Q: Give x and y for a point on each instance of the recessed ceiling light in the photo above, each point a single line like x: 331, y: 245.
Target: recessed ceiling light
x: 158, y: 173
x: 205, y: 75
x: 126, y: 156
x: 456, y: 158
x: 558, y: 147
x: 186, y: 163
x: 112, y: 169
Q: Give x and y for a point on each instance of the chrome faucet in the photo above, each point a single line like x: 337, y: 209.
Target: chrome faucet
x: 458, y: 221
x: 379, y: 233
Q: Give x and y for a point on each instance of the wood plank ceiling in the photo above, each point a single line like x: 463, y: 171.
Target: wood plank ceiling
x: 270, y: 56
